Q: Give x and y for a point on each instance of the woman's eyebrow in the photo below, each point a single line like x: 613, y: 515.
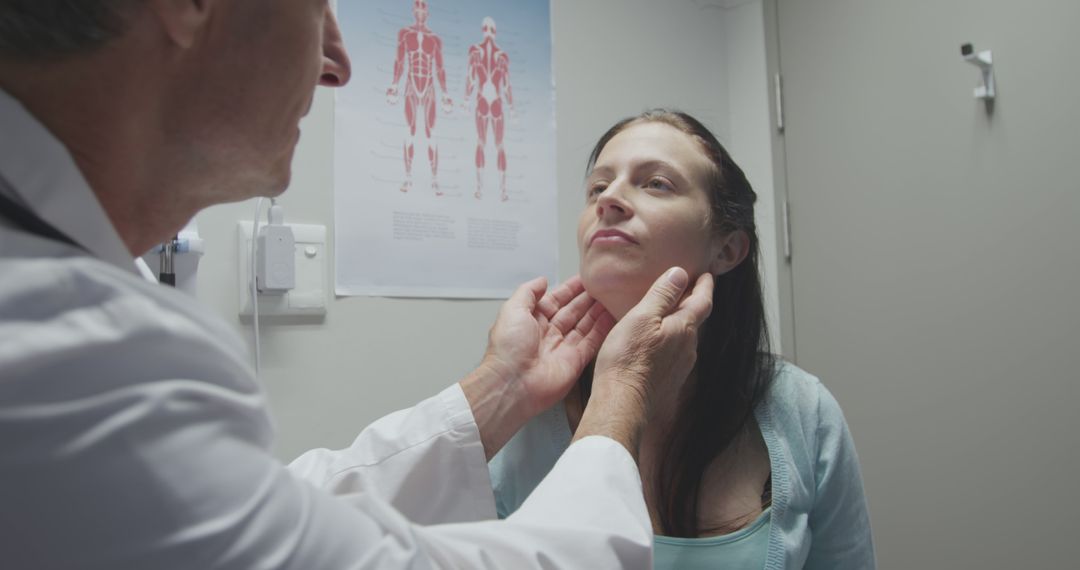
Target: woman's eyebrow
x: 601, y: 171
x: 666, y: 167
x: 649, y: 165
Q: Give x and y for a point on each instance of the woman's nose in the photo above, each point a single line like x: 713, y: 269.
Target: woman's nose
x: 612, y: 205
x: 336, y: 66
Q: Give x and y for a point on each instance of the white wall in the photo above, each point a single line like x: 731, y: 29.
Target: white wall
x: 613, y: 58
x: 751, y: 140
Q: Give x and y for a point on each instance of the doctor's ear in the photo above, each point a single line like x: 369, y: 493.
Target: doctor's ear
x: 730, y: 251
x: 183, y: 20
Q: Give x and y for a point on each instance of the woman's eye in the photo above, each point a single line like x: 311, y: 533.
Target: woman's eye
x: 595, y: 190
x: 659, y: 184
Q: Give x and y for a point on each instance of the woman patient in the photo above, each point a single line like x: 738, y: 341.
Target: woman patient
x: 750, y: 463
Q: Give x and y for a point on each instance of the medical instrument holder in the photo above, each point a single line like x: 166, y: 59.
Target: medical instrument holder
x: 984, y: 60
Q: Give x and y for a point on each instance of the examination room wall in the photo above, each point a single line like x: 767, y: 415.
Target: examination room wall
x: 612, y: 58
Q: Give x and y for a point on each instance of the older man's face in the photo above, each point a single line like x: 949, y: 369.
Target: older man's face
x: 254, y: 79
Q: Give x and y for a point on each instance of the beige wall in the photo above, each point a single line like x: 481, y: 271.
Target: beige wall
x: 936, y: 268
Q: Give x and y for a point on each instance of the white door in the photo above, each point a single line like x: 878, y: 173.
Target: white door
x: 936, y: 266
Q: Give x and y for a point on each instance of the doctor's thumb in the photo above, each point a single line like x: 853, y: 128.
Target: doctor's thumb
x: 665, y: 293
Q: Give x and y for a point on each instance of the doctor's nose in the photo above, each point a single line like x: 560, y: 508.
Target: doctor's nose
x: 337, y: 69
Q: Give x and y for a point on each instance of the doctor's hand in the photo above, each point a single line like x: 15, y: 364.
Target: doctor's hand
x: 537, y: 349
x: 651, y: 349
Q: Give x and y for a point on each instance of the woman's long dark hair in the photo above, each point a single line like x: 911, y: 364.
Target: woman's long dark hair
x: 734, y: 365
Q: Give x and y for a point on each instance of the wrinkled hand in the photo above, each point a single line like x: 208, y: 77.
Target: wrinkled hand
x: 655, y: 342
x: 541, y: 343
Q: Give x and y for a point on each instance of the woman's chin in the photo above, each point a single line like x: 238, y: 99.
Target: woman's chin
x: 618, y: 296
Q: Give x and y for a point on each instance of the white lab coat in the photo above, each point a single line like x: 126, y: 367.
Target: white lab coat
x: 134, y: 435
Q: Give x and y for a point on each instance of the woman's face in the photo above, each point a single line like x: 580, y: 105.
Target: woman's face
x: 646, y: 210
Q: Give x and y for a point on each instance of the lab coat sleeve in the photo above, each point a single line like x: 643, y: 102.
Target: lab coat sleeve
x: 588, y: 513
x: 839, y: 520
x: 134, y: 436
x: 427, y: 461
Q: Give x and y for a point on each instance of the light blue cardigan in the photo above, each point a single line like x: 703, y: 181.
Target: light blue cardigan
x: 819, y: 517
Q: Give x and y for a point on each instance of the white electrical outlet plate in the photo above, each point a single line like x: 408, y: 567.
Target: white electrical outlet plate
x: 309, y: 296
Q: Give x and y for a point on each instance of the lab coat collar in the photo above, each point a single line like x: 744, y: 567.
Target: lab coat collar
x: 43, y: 176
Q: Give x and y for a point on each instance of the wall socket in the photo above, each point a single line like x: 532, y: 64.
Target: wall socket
x: 308, y: 298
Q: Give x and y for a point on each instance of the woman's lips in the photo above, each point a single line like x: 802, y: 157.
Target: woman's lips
x: 611, y: 236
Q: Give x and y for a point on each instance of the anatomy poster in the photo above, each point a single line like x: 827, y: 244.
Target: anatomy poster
x: 445, y: 149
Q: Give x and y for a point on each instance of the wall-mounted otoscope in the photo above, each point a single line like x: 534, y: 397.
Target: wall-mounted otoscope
x: 984, y: 60
x: 176, y: 261
x: 167, y: 274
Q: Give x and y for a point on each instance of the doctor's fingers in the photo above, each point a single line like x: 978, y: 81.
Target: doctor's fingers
x: 592, y: 329
x: 568, y: 317
x: 560, y: 296
x: 697, y: 305
x: 528, y: 294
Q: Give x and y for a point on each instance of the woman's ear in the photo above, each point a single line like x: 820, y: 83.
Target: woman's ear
x: 730, y: 251
x: 183, y: 20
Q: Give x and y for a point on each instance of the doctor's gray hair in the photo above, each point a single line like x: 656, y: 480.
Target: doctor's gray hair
x: 44, y: 29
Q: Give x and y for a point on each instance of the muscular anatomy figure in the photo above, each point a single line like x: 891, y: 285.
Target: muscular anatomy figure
x: 420, y: 50
x: 489, y: 76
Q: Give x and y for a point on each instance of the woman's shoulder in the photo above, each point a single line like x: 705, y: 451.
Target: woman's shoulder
x: 793, y: 387
x: 527, y: 458
x: 798, y: 401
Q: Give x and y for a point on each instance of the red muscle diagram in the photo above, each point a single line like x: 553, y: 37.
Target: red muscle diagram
x: 488, y: 76
x: 420, y: 60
